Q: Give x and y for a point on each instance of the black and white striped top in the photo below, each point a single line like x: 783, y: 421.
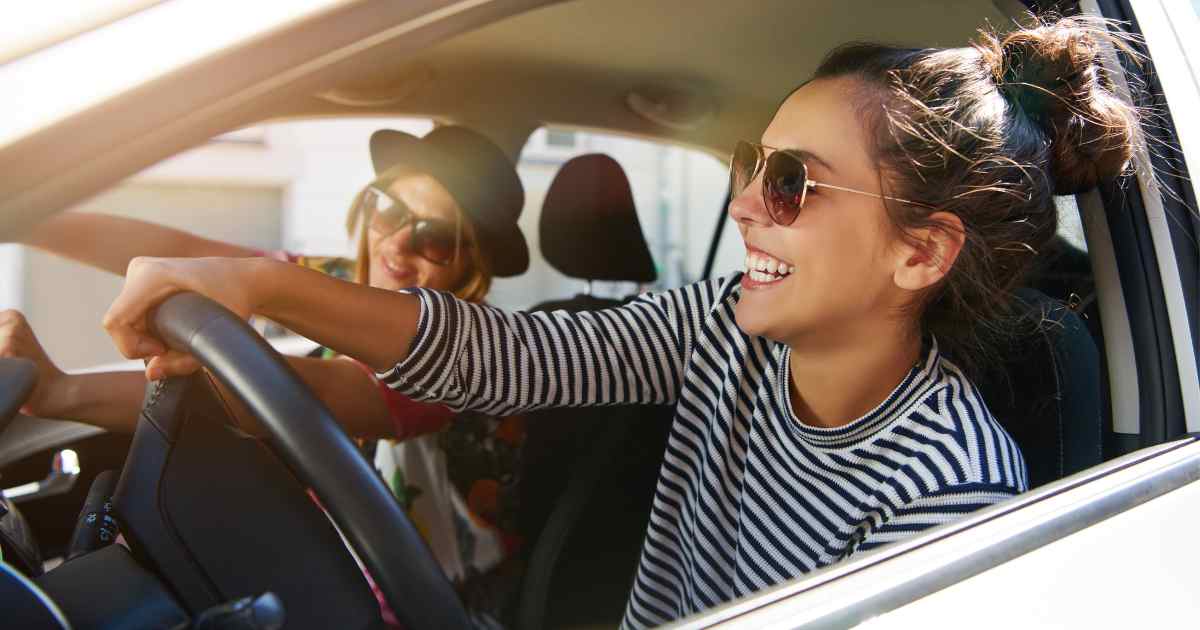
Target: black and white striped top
x: 748, y: 496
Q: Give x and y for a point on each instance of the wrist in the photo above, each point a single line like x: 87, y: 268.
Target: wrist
x: 63, y: 397
x: 262, y: 278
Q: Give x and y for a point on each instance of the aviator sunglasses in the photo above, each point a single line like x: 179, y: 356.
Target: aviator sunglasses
x: 435, y: 240
x: 785, y: 183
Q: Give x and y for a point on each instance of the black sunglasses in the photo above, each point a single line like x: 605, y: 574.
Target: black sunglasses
x: 435, y: 240
x: 785, y: 180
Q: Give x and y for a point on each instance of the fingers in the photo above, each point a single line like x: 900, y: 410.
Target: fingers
x: 11, y: 318
x: 147, y: 283
x: 172, y: 363
x: 16, y: 338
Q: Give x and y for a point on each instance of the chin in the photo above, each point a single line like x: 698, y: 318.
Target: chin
x: 752, y: 321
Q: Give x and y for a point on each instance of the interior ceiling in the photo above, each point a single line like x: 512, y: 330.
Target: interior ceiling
x: 572, y: 63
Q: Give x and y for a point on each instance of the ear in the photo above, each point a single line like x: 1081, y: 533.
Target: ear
x: 929, y: 252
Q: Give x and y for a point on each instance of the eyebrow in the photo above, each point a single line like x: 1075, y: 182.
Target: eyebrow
x: 806, y: 155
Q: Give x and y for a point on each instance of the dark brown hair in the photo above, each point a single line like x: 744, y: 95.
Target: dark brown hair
x: 990, y: 133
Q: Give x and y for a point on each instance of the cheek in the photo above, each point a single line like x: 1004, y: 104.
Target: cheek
x: 442, y: 278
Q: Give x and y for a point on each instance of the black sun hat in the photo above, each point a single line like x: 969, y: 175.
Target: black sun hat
x: 477, y: 174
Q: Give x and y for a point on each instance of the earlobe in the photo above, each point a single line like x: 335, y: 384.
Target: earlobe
x: 933, y: 253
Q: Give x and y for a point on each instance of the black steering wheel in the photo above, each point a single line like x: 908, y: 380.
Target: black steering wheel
x: 310, y: 441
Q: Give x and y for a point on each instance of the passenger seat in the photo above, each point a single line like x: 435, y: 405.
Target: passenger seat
x: 588, y: 474
x: 1048, y: 392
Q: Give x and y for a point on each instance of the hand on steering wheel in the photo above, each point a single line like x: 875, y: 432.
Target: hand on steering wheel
x: 17, y: 341
x: 149, y: 281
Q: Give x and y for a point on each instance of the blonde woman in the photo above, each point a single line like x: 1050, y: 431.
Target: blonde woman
x: 442, y: 214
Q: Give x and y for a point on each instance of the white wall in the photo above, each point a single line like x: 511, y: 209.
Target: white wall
x: 64, y: 301
x: 12, y: 261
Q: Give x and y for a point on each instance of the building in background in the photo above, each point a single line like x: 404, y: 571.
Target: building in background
x: 288, y: 185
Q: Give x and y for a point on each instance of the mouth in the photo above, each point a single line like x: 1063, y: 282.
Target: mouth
x: 397, y: 270
x: 764, y: 269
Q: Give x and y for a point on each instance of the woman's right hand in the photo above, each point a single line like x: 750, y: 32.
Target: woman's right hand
x: 18, y: 341
x: 149, y: 281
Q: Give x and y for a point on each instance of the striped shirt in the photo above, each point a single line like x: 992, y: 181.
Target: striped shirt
x: 748, y: 496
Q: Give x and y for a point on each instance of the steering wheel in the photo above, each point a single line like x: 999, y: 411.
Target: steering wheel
x: 311, y: 442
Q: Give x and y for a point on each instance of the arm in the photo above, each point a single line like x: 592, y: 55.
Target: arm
x: 481, y: 358
x: 471, y: 356
x: 113, y: 400
x: 362, y: 406
x: 372, y: 325
x: 109, y: 242
x: 110, y: 400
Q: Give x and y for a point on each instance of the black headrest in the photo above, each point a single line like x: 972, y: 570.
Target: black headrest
x: 1047, y: 394
x: 589, y: 227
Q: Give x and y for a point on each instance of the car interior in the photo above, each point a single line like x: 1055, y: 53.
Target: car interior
x: 205, y: 546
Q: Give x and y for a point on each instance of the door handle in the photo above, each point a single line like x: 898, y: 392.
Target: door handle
x: 64, y: 472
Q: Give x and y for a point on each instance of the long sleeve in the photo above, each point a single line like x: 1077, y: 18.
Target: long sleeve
x: 944, y: 506
x: 476, y: 357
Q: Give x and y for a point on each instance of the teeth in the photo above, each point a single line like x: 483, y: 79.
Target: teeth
x: 767, y: 265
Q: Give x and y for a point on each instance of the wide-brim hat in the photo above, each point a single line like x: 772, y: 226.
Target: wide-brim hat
x: 477, y: 174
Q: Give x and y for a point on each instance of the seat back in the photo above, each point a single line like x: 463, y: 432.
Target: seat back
x: 589, y: 227
x: 590, y: 467
x: 1047, y: 393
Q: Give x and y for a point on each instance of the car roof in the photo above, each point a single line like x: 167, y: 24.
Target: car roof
x: 504, y: 66
x: 574, y: 63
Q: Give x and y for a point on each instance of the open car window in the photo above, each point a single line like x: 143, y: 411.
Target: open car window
x: 280, y: 185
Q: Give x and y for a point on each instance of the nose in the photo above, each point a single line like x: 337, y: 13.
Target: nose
x: 747, y: 207
x: 398, y: 243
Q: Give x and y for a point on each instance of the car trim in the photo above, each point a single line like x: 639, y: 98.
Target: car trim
x: 1124, y: 395
x: 1174, y: 72
x: 37, y: 185
x: 879, y: 581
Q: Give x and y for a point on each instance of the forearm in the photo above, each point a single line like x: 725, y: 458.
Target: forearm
x: 350, y: 393
x: 475, y: 357
x: 109, y: 242
x: 372, y: 325
x: 110, y: 400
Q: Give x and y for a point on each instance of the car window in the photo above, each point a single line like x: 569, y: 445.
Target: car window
x: 280, y: 185
x: 678, y: 193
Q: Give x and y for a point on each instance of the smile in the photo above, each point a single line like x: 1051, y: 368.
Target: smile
x: 764, y: 268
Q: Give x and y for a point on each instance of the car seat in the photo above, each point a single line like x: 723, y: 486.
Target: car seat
x: 588, y: 474
x: 1047, y: 392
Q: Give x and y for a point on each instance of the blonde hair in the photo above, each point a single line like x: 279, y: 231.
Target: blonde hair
x: 476, y: 278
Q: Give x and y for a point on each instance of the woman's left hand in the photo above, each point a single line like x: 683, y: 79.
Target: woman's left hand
x: 149, y: 281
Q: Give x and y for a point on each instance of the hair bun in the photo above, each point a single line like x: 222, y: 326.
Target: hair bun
x: 1053, y: 74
